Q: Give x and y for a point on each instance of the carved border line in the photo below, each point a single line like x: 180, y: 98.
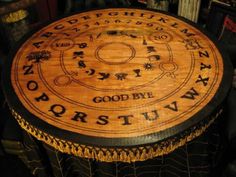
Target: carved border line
x: 131, y: 154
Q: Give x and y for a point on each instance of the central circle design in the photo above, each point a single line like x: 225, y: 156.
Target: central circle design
x: 115, y: 53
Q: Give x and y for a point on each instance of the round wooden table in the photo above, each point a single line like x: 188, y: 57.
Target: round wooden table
x: 117, y: 84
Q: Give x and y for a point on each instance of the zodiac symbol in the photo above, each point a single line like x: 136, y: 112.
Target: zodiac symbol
x: 78, y: 54
x: 151, y: 49
x: 81, y: 64
x: 121, y: 76
x: 104, y: 76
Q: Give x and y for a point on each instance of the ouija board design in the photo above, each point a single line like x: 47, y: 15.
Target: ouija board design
x: 117, y: 76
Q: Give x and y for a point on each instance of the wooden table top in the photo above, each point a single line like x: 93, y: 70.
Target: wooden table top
x: 117, y: 84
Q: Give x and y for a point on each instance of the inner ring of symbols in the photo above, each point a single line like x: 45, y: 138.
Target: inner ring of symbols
x: 115, y: 48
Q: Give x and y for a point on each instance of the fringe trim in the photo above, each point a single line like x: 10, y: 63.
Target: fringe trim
x: 104, y: 154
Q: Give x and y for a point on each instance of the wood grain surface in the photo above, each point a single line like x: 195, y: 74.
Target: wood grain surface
x: 117, y: 73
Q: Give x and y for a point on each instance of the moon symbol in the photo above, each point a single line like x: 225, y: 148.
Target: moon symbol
x: 90, y: 72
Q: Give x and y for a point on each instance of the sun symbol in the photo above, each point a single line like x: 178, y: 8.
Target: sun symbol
x: 148, y: 66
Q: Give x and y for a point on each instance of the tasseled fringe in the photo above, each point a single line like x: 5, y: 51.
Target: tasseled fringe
x: 132, y: 154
